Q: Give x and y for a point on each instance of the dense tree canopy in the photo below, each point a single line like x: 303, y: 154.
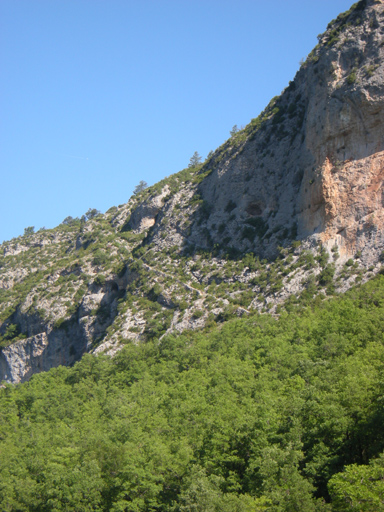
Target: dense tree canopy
x: 257, y: 414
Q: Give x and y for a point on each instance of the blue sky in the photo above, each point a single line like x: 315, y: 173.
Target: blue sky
x: 96, y: 95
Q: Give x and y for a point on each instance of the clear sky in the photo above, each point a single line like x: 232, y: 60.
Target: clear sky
x: 96, y: 95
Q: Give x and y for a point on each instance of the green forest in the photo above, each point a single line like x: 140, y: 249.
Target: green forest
x: 254, y: 414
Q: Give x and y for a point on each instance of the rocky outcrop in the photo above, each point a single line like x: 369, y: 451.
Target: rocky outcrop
x: 313, y: 164
x: 341, y: 197
x: 144, y: 216
x: 24, y: 358
x: 62, y: 342
x: 310, y: 166
x: 19, y: 361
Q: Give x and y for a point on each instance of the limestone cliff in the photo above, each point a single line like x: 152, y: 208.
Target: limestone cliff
x: 312, y: 164
x: 288, y: 208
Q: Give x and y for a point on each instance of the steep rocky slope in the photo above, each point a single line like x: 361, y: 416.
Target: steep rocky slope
x: 314, y: 162
x: 288, y: 208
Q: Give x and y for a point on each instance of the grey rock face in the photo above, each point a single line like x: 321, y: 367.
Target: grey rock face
x: 315, y: 164
x: 49, y: 345
x: 310, y: 166
x: 24, y: 358
x: 19, y: 361
x: 144, y: 216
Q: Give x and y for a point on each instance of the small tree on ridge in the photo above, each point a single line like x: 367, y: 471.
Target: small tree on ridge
x: 195, y: 160
x: 140, y: 187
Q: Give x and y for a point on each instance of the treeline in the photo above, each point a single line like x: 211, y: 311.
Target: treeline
x: 258, y: 414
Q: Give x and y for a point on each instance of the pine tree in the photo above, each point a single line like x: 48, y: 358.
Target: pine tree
x: 140, y: 187
x: 195, y: 160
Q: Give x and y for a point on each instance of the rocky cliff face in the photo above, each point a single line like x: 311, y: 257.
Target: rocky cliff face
x: 313, y: 165
x: 345, y: 136
x: 288, y: 208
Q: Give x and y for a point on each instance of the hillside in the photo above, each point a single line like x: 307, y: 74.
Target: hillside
x: 287, y: 209
x: 259, y: 414
x: 216, y: 343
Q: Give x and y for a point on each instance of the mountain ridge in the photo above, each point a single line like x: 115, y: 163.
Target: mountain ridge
x: 289, y: 208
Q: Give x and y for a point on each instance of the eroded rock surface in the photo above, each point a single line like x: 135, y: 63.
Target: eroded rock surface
x: 315, y: 168
x: 24, y: 358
